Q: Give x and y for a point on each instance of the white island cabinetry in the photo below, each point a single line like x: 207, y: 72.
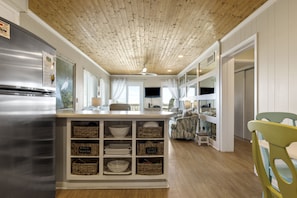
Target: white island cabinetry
x: 92, y: 151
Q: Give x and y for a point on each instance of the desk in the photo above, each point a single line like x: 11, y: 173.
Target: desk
x: 292, y: 149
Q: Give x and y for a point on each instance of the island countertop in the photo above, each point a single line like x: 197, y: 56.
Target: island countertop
x: 114, y: 114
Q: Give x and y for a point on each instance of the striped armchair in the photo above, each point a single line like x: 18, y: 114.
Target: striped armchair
x: 184, y: 127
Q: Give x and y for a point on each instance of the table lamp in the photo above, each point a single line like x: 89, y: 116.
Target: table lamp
x: 187, y: 104
x: 96, y: 102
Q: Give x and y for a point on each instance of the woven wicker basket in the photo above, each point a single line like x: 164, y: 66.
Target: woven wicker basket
x: 85, y: 132
x: 154, y: 168
x: 149, y: 132
x: 85, y: 167
x: 84, y: 149
x: 150, y: 148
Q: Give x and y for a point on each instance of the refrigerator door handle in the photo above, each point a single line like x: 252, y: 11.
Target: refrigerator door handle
x: 25, y: 91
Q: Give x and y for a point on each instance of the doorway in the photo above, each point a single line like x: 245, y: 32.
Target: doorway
x: 243, y: 93
x: 227, y: 97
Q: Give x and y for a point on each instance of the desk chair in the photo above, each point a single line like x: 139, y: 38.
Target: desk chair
x: 279, y: 136
x: 278, y: 117
x: 202, y: 136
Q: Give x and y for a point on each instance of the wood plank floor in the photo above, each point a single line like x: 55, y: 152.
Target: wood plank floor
x: 194, y: 172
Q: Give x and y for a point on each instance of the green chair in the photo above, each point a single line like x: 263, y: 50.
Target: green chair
x: 171, y: 105
x: 278, y: 136
x: 279, y: 117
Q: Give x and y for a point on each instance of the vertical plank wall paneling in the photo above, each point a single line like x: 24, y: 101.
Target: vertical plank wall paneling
x: 281, y: 56
x: 292, y: 56
x: 239, y: 89
x: 263, y: 40
x: 227, y: 122
x: 277, y: 62
x: 269, y: 62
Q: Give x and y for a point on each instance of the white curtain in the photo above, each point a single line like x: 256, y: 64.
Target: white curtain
x: 173, y: 88
x: 102, y: 92
x: 117, y: 87
x: 90, y: 87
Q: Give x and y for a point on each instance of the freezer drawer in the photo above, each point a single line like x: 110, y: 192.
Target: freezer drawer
x: 27, y: 156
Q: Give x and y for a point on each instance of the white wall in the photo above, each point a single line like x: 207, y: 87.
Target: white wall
x: 277, y: 53
x: 8, y: 13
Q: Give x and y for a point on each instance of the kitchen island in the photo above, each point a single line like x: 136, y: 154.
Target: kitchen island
x: 89, y: 155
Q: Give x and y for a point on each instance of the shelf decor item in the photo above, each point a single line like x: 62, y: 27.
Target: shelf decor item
x: 149, y: 132
x: 79, y: 148
x: 150, y: 148
x: 118, y: 166
x: 119, y: 131
x: 153, y: 166
x: 84, y: 167
x: 118, y: 149
x: 85, y: 132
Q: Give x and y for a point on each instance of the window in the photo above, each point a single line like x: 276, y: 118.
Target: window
x: 133, y: 94
x: 166, y: 96
x: 191, y: 92
x: 102, y: 92
x: 91, y: 88
x: 65, y: 84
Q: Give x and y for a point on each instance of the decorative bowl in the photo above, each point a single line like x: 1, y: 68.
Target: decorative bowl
x: 118, y: 166
x: 119, y: 131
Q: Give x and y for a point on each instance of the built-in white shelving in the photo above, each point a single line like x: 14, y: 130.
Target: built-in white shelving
x: 146, y: 152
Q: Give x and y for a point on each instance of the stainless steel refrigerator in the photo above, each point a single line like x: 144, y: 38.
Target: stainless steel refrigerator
x: 27, y: 114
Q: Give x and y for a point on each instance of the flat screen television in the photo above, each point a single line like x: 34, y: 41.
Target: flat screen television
x: 152, y: 92
x: 206, y: 90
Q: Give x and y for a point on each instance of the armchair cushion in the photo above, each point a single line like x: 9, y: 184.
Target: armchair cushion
x: 187, y: 113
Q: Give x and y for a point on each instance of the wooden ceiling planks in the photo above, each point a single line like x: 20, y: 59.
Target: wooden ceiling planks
x: 123, y: 35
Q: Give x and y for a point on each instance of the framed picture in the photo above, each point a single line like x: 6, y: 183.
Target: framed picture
x: 65, y: 84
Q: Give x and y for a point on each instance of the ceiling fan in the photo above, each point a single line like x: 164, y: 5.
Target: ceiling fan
x: 144, y: 72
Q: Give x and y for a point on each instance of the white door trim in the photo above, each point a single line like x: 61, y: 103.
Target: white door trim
x: 226, y: 129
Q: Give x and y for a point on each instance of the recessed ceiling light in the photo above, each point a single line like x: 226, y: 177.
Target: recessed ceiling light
x: 169, y: 70
x: 180, y: 56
